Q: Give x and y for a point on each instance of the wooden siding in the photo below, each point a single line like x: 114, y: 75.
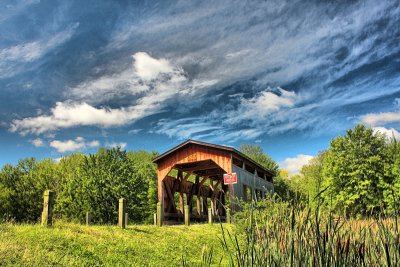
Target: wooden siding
x: 192, y: 153
x: 250, y: 180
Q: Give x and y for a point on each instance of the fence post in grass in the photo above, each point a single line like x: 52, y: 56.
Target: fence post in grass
x: 47, y: 213
x: 228, y: 215
x: 126, y: 219
x: 121, y: 213
x: 159, y: 214
x: 210, y: 219
x: 155, y: 218
x: 187, y: 215
x: 88, y: 218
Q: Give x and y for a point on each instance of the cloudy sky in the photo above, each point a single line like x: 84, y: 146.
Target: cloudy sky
x: 78, y: 75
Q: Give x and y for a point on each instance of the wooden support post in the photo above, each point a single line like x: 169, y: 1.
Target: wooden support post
x: 155, y: 218
x: 181, y: 203
x: 121, y: 213
x: 210, y: 219
x: 198, y: 200
x: 187, y: 215
x: 88, y: 218
x: 126, y: 219
x: 228, y: 215
x: 205, y: 206
x: 47, y: 213
x: 159, y: 214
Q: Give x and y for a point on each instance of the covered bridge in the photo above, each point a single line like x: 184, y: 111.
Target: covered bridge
x: 192, y: 174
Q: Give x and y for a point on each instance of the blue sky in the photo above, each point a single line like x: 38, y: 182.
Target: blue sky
x: 288, y: 75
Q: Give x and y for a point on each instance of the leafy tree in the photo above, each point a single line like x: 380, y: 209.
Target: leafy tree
x: 22, y: 187
x: 354, y: 171
x: 147, y: 172
x: 312, y: 178
x: 256, y: 153
x: 392, y: 171
x: 69, y: 202
x: 95, y: 183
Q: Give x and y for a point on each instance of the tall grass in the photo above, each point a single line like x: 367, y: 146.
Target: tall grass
x: 272, y: 233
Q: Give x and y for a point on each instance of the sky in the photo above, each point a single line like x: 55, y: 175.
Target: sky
x: 287, y: 75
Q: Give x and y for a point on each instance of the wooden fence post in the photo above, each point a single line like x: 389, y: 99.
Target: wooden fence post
x: 210, y: 219
x: 47, y: 213
x: 88, y: 218
x: 159, y: 214
x: 187, y: 215
x: 121, y: 213
x: 155, y: 218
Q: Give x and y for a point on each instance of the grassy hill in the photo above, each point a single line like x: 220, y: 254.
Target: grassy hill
x: 77, y: 245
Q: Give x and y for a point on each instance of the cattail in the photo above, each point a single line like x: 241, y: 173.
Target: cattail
x: 346, y: 250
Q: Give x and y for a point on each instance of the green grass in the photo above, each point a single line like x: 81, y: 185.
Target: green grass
x: 67, y: 244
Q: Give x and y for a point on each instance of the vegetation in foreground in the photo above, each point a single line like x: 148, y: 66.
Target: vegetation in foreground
x: 273, y: 233
x: 68, y: 244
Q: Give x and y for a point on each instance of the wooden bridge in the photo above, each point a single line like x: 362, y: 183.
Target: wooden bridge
x: 192, y: 174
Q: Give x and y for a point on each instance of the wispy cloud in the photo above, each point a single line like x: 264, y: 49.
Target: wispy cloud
x: 160, y: 83
x: 37, y: 142
x: 182, y: 71
x: 13, y: 58
x: 375, y: 119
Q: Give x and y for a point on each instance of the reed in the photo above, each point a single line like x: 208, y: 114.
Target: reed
x: 274, y: 233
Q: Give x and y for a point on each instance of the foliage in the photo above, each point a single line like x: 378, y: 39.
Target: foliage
x: 275, y: 234
x: 354, y: 172
x: 82, y: 183
x: 97, y: 182
x: 312, y: 178
x: 285, y: 187
x: 146, y: 171
x: 22, y: 187
x: 256, y: 153
x: 392, y: 171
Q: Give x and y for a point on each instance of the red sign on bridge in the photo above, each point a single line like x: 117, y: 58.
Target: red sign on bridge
x: 230, y: 178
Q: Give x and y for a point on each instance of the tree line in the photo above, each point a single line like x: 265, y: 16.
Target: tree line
x: 82, y: 183
x: 357, y: 175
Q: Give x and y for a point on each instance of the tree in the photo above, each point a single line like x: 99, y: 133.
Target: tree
x: 354, y: 172
x: 22, y: 187
x: 95, y: 183
x: 312, y: 178
x: 392, y: 175
x: 256, y: 153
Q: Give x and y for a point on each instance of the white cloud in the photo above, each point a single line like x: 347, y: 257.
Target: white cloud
x: 37, y: 142
x: 294, y: 165
x: 154, y: 96
x: 149, y: 68
x: 253, y: 115
x: 260, y: 106
x: 73, y: 145
x: 375, y: 119
x: 122, y: 145
x: 67, y: 115
x: 93, y: 143
x: 389, y: 133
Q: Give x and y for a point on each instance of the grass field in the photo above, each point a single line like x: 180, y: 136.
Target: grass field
x: 67, y: 244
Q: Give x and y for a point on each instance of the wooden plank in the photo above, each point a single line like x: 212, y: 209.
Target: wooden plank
x: 171, y: 201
